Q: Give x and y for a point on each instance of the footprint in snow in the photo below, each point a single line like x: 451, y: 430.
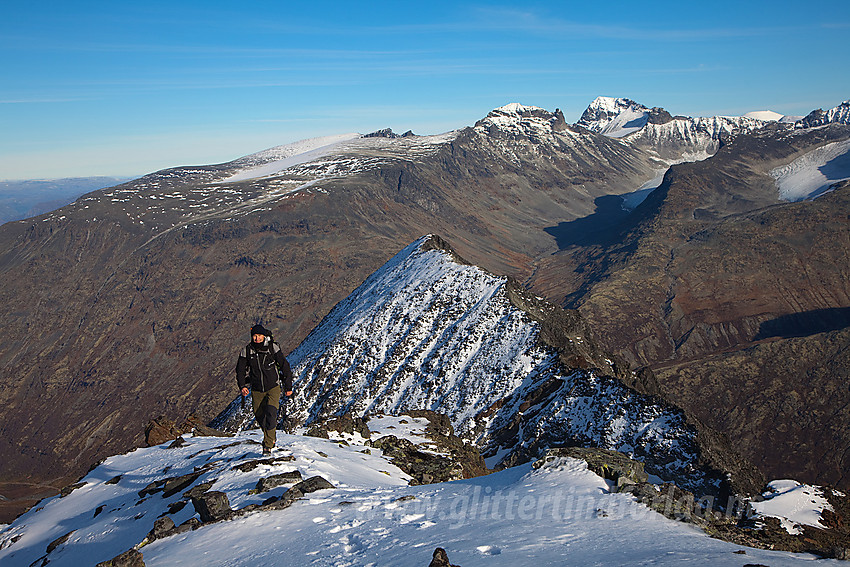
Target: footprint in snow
x: 488, y: 550
x: 351, y: 544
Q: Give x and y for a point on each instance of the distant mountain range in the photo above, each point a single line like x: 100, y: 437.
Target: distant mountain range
x: 714, y: 284
x: 29, y: 198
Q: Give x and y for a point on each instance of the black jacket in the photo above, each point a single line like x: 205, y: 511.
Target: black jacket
x: 258, y: 367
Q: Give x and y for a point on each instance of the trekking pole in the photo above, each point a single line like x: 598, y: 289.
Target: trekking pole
x: 283, y: 418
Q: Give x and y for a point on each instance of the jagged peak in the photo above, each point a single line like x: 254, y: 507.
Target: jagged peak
x: 614, y: 104
x: 838, y: 115
x: 517, y: 119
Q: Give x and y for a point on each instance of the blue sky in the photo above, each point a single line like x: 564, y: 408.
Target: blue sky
x: 126, y: 88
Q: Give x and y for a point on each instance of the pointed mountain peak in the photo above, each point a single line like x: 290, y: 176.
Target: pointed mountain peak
x: 616, y: 117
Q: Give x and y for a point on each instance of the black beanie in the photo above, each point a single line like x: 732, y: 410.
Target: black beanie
x: 260, y: 330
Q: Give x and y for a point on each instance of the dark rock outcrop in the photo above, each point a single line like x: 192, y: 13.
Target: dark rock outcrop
x: 610, y: 465
x: 441, y: 559
x: 267, y: 483
x: 425, y: 468
x: 251, y: 465
x: 161, y: 430
x: 730, y: 520
x: 59, y: 541
x: 212, y: 506
x: 130, y: 558
x: 312, y: 484
x: 162, y: 527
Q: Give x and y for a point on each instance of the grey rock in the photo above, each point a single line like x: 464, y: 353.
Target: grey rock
x: 266, y: 484
x: 162, y: 527
x: 441, y: 559
x: 212, y: 506
x: 179, y: 483
x: 313, y: 484
x: 130, y: 558
x: 285, y: 501
x: 58, y: 541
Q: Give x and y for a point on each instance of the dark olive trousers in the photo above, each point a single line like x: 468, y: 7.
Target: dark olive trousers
x: 265, y: 411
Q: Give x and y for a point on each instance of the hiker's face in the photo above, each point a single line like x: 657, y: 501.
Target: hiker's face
x: 259, y: 338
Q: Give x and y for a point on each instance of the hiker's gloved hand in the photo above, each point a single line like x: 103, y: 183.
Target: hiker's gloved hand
x: 245, y: 391
x: 289, y: 394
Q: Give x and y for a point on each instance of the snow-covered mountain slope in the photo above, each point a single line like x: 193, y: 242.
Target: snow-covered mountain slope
x: 428, y: 331
x: 558, y: 513
x: 813, y: 173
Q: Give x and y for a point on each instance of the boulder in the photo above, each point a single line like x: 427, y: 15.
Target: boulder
x: 313, y: 484
x: 285, y: 501
x: 58, y: 541
x: 266, y: 484
x: 162, y: 527
x: 130, y: 558
x: 348, y: 424
x: 196, y: 491
x: 161, y: 430
x: 425, y: 468
x: 441, y: 559
x: 212, y: 506
x: 317, y: 431
x: 251, y: 465
x: 610, y: 465
x: 196, y: 426
x: 179, y: 483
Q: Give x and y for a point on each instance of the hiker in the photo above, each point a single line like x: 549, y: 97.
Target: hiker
x: 262, y: 367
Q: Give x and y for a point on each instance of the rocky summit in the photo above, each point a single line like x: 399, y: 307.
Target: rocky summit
x: 133, y: 301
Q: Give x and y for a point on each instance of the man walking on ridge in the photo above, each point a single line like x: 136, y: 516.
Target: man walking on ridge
x: 262, y: 367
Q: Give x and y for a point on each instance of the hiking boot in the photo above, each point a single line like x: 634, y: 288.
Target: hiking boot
x: 266, y: 452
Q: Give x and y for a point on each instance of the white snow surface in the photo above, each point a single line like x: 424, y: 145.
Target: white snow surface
x: 558, y: 514
x: 794, y: 504
x: 812, y: 174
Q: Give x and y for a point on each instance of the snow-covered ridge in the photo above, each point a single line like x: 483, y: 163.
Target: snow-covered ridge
x: 556, y: 514
x: 423, y: 332
x: 427, y: 331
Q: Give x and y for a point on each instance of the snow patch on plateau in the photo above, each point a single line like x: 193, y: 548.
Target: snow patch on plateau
x: 794, y: 504
x: 766, y: 115
x: 289, y: 155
